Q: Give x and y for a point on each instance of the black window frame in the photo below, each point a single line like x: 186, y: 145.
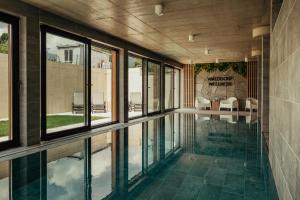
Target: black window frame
x: 13, y: 21
x: 172, y: 87
x: 143, y: 85
x: 179, y: 89
x: 44, y: 29
x: 161, y: 87
x: 100, y: 45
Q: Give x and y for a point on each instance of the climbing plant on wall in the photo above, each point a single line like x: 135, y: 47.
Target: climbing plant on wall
x: 238, y: 67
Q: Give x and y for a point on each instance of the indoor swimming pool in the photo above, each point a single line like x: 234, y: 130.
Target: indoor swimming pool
x: 178, y: 156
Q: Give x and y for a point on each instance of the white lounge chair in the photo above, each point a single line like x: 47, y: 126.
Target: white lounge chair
x: 78, y: 102
x: 135, y: 101
x: 203, y: 103
x: 229, y: 103
x: 98, y: 102
x: 251, y: 104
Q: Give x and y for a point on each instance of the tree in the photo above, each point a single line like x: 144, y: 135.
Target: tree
x: 4, y: 38
x: 4, y: 43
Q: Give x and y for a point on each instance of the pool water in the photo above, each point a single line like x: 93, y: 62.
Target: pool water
x: 179, y: 156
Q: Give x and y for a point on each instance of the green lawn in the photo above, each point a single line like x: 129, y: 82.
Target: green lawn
x: 3, y: 128
x: 53, y: 121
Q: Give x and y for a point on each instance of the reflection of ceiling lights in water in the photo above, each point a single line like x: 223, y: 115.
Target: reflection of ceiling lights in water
x: 158, y: 8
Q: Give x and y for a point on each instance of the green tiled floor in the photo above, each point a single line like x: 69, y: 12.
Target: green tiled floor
x: 224, y: 167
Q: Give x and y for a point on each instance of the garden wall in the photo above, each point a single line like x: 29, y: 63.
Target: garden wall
x: 62, y: 81
x: 237, y: 89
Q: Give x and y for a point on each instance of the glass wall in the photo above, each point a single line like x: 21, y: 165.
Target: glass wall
x: 169, y: 88
x: 153, y: 70
x: 135, y: 86
x: 102, y: 165
x: 65, y: 83
x: 135, y: 150
x: 103, y: 85
x: 6, y: 80
x: 176, y: 88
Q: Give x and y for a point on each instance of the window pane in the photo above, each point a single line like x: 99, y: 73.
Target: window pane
x: 102, y: 153
x: 135, y: 86
x: 5, y: 82
x: 104, y: 85
x: 66, y: 172
x: 176, y: 88
x: 168, y: 133
x: 153, y: 87
x: 4, y: 180
x: 169, y: 87
x: 65, y: 84
x: 153, y: 141
x: 135, y: 150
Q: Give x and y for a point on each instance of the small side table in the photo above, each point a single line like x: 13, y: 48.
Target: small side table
x: 215, y: 104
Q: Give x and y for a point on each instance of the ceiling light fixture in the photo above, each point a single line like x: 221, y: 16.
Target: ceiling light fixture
x: 206, y: 51
x: 246, y: 59
x: 191, y: 38
x: 159, y: 9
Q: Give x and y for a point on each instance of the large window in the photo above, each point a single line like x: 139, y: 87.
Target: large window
x: 9, y: 81
x: 153, y: 87
x: 104, y: 85
x: 79, y: 83
x: 135, y: 86
x: 65, y: 73
x: 169, y: 87
x: 176, y: 88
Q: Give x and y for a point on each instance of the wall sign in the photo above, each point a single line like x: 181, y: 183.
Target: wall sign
x: 220, y: 80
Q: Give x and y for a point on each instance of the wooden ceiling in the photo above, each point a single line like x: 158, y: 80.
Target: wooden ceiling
x: 222, y: 26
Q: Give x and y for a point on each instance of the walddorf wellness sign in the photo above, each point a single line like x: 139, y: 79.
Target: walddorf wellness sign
x: 220, y: 80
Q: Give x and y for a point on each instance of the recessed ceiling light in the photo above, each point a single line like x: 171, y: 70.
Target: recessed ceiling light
x: 191, y: 38
x: 159, y: 9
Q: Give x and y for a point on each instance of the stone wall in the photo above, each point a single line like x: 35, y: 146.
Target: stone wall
x: 284, y: 141
x: 238, y: 88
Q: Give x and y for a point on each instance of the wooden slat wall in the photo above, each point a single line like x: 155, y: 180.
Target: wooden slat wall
x: 189, y: 132
x: 252, y: 78
x: 189, y: 86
